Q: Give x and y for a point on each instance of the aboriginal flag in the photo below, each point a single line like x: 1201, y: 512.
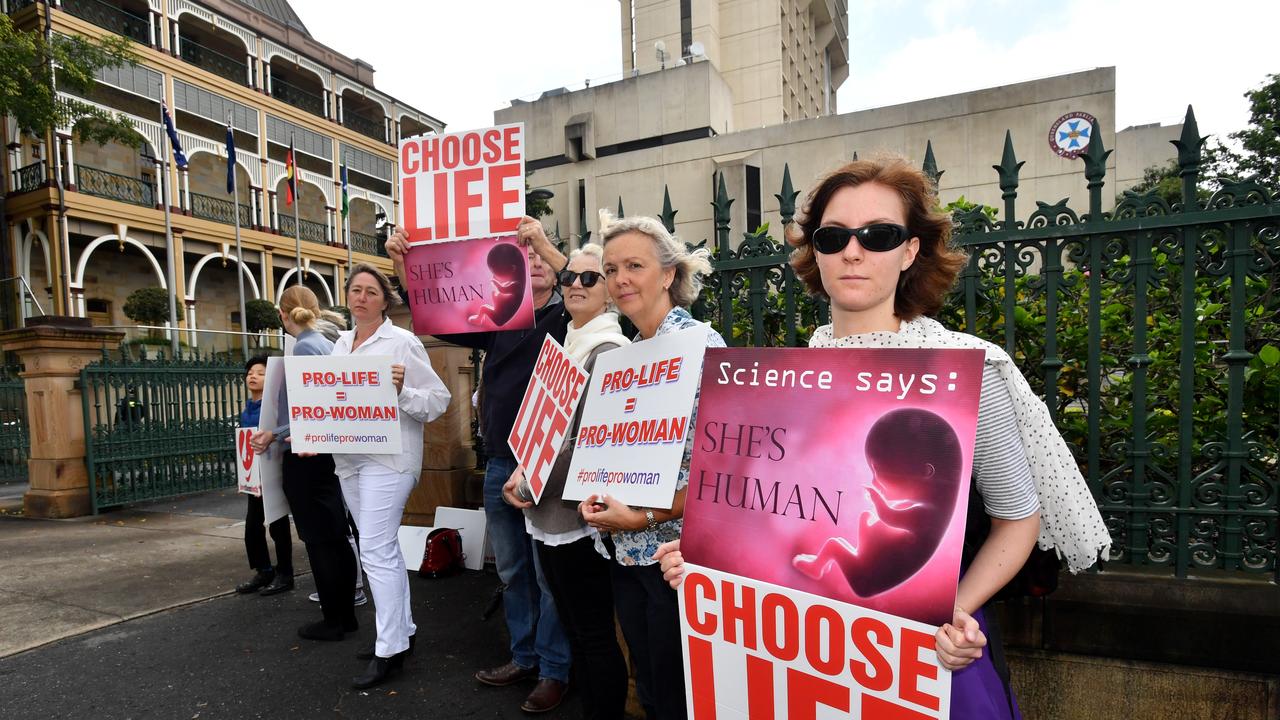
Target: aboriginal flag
x: 290, y: 176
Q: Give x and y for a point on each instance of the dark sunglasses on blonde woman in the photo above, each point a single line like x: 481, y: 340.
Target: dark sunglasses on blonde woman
x: 878, y: 237
x: 589, y: 278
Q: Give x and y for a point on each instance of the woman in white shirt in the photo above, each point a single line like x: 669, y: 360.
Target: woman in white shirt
x: 376, y: 487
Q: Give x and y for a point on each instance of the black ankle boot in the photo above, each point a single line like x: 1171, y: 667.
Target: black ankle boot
x: 379, y: 671
x: 368, y: 652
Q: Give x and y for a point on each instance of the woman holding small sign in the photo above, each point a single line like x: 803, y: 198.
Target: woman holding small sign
x: 376, y: 487
x: 311, y: 487
x: 577, y: 575
x: 872, y: 241
x: 653, y: 279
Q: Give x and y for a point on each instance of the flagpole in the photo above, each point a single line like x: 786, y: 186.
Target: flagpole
x: 235, y: 211
x: 171, y: 271
x: 297, y: 200
x: 346, y: 219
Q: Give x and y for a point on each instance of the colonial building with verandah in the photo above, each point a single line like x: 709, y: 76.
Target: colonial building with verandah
x: 252, y: 64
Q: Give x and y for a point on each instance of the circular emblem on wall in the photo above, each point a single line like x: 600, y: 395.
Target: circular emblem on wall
x: 1069, y: 135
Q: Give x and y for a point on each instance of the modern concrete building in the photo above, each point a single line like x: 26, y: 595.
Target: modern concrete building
x: 253, y: 62
x: 756, y: 94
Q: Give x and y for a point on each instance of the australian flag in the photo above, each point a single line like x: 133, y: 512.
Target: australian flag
x: 179, y: 157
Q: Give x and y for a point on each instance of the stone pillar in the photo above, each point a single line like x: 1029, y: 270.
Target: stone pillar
x: 52, y: 350
x: 448, y: 454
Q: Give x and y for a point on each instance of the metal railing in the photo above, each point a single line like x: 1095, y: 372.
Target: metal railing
x: 365, y: 126
x: 311, y: 231
x: 297, y: 97
x: 118, y: 21
x: 220, y: 210
x: 28, y: 177
x: 15, y: 440
x: 214, y: 61
x: 1152, y: 332
x: 367, y: 244
x: 13, y: 6
x: 101, y: 183
x: 159, y: 428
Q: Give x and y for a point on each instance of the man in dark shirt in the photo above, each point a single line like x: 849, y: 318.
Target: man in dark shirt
x: 539, y: 645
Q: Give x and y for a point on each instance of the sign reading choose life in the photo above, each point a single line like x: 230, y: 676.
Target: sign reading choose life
x: 632, y: 435
x: 546, y: 413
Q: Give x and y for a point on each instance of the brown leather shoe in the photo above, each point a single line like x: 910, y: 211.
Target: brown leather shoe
x: 546, y: 696
x: 506, y: 674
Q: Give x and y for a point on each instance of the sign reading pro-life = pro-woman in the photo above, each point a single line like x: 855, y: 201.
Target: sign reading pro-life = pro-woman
x: 342, y: 405
x: 637, y: 419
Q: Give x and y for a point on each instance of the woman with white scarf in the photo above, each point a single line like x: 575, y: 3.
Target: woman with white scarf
x: 564, y: 544
x: 872, y: 240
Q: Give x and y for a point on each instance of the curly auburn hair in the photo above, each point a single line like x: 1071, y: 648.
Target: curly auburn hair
x: 921, y: 287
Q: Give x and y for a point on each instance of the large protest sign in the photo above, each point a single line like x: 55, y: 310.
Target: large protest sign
x: 839, y: 472
x: 474, y: 286
x: 632, y: 435
x: 546, y: 412
x: 827, y: 497
x: 343, y: 404
x: 462, y: 185
x: 761, y: 651
x: 274, y: 503
x: 248, y: 467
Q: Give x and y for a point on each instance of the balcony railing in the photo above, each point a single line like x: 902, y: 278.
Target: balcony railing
x: 311, y: 231
x: 367, y: 244
x: 13, y: 6
x: 365, y: 126
x: 120, y: 22
x: 214, y: 61
x: 28, y: 178
x: 219, y: 210
x: 92, y: 181
x: 297, y: 97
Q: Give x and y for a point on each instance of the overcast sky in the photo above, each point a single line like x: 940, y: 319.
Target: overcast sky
x: 460, y: 61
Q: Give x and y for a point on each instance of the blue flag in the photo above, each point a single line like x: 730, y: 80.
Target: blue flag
x: 231, y: 162
x: 179, y: 157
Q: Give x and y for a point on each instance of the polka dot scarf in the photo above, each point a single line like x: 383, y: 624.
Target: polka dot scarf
x: 1069, y: 517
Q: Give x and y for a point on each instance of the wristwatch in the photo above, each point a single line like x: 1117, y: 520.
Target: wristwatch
x: 652, y: 524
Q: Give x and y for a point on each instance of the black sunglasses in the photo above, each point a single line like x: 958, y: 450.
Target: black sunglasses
x: 878, y: 237
x: 589, y: 278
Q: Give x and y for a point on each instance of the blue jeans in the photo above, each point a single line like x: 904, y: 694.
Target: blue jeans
x: 537, y: 637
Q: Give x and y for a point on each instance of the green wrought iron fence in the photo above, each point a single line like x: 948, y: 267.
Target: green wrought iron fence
x: 220, y: 210
x: 367, y: 244
x: 115, y: 19
x: 312, y: 231
x: 28, y: 177
x: 15, y: 440
x: 113, y: 186
x: 159, y: 428
x: 213, y: 61
x: 297, y: 97
x: 1152, y: 331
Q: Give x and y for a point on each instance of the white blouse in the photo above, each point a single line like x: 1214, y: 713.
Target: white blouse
x: 423, y: 396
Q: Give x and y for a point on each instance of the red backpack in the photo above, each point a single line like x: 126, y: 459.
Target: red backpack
x: 443, y: 555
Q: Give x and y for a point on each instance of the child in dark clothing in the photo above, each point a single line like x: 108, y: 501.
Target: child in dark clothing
x: 267, y: 580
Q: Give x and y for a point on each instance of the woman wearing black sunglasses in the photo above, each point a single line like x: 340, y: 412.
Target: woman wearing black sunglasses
x: 872, y: 240
x: 576, y: 574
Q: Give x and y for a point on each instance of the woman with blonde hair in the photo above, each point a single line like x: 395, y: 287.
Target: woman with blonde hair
x: 311, y: 486
x: 653, y: 279
x: 377, y: 486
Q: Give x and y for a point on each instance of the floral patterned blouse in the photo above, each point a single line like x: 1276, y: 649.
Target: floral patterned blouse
x: 636, y: 547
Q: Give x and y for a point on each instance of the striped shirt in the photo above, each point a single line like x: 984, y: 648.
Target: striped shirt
x: 1000, y: 466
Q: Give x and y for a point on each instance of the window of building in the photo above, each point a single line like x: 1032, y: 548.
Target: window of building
x: 98, y: 311
x: 686, y: 28
x: 753, y: 198
x: 633, y: 33
x: 582, y: 205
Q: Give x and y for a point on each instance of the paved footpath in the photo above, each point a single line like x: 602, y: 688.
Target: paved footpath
x: 131, y: 615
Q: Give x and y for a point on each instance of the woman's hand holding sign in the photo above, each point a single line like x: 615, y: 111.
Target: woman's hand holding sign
x: 604, y: 513
x: 510, y: 490
x: 397, y: 376
x: 671, y: 562
x: 960, y: 641
x: 261, y: 440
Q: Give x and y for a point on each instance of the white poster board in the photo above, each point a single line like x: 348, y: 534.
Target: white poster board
x: 753, y: 650
x: 274, y: 503
x: 636, y: 420
x: 550, y: 400
x: 343, y: 404
x: 248, y: 466
x: 462, y: 185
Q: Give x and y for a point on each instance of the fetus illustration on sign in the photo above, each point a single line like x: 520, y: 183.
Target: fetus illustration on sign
x: 916, y: 466
x: 507, y: 263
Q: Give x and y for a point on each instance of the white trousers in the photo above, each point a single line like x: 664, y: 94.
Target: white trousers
x: 376, y: 496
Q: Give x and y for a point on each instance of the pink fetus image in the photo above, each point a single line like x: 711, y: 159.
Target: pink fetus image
x: 507, y: 263
x: 915, y: 462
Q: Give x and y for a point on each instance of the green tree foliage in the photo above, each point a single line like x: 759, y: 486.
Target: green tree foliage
x: 149, y: 306
x: 260, y: 316
x: 1261, y: 139
x: 27, y: 88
